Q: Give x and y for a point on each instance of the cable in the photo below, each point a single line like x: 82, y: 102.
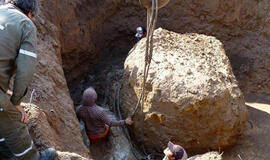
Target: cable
x: 152, y: 14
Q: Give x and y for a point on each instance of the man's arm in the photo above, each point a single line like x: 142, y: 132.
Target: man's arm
x: 104, y: 118
x: 25, y: 62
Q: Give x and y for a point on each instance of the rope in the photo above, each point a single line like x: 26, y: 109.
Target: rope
x: 151, y: 24
x: 152, y: 14
x: 138, y: 155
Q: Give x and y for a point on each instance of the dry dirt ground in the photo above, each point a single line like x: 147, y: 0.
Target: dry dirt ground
x: 254, y: 144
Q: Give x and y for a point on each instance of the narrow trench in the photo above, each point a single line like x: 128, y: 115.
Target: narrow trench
x: 102, y: 76
x: 105, y: 77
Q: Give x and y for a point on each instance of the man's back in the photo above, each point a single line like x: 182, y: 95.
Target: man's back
x: 91, y: 117
x: 17, y: 55
x: 95, y: 119
x: 15, y: 29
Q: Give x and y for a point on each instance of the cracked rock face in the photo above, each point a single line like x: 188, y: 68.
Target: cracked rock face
x: 192, y: 97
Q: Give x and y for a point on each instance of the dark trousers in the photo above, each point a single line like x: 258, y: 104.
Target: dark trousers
x: 14, y: 136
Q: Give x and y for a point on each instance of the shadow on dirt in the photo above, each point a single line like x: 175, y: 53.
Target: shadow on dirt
x: 255, y: 98
x: 254, y: 143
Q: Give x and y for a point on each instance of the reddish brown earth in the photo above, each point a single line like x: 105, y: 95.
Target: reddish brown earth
x: 75, y: 35
x: 85, y: 31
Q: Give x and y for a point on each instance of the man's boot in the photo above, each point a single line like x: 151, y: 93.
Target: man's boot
x: 48, y: 154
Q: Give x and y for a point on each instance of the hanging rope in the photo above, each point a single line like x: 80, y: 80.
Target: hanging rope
x: 135, y: 151
x: 152, y: 14
x: 151, y: 24
x: 137, y: 155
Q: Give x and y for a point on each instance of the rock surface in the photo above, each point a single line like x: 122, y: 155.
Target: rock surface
x: 207, y: 156
x: 241, y: 25
x: 88, y: 30
x: 192, y: 96
x: 70, y: 156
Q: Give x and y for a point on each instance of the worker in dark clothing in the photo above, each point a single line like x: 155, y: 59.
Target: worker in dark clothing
x: 97, y: 122
x: 17, y: 56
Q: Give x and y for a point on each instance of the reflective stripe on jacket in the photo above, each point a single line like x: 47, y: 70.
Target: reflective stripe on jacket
x: 17, y: 51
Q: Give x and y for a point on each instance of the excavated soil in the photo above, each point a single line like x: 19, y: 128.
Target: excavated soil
x: 73, y: 33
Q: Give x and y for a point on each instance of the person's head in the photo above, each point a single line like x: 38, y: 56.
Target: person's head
x: 28, y: 7
x: 140, y: 32
x: 89, y: 97
x: 174, y: 152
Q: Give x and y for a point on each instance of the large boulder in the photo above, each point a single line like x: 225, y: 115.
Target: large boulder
x: 191, y: 98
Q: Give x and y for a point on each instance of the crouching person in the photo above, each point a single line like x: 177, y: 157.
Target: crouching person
x: 174, y: 152
x: 97, y: 123
x: 18, y: 56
